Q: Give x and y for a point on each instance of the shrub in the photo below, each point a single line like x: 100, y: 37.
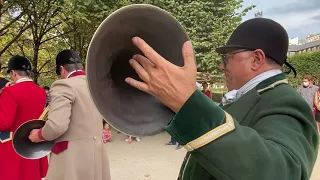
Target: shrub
x: 305, y: 63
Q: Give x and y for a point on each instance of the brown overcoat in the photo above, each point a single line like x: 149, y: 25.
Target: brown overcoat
x: 73, y: 117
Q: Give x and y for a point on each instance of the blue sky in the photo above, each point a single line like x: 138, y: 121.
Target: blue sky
x: 298, y: 17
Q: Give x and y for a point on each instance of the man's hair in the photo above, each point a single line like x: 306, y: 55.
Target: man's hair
x: 272, y: 62
x: 308, y: 77
x: 73, y: 67
x: 46, y: 88
x: 22, y: 73
x: 104, y: 122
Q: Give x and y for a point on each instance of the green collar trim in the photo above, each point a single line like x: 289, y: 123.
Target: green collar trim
x: 272, y: 82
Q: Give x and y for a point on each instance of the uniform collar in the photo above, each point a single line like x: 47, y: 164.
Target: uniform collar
x: 23, y: 80
x: 73, y: 73
x: 272, y: 82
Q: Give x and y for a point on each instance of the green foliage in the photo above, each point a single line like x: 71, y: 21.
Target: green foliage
x: 305, y: 64
x: 217, y: 97
x: 82, y: 19
x: 39, y: 29
x: 209, y: 23
x: 219, y: 90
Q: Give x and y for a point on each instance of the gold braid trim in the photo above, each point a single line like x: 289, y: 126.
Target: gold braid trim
x: 212, y: 135
x: 44, y: 114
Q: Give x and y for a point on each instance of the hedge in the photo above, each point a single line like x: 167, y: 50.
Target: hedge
x: 216, y: 97
x: 307, y: 63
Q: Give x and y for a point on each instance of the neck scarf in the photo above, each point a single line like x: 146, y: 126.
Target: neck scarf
x: 234, y: 95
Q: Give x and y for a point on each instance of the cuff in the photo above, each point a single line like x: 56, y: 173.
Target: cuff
x: 199, y: 122
x: 40, y: 135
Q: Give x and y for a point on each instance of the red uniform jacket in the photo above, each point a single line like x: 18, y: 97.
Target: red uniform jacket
x: 19, y: 103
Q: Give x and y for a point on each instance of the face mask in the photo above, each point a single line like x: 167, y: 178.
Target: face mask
x: 305, y: 84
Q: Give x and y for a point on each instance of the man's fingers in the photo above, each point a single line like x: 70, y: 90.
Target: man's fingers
x: 147, y: 50
x: 142, y: 86
x: 188, y: 55
x: 146, y: 63
x: 142, y: 73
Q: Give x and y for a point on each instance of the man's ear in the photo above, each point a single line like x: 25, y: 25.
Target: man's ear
x: 61, y: 69
x: 259, y: 59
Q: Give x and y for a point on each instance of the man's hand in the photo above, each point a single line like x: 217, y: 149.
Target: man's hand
x: 170, y: 84
x: 34, y: 137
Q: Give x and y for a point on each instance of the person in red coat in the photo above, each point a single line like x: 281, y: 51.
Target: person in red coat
x: 20, y: 101
x: 206, y: 90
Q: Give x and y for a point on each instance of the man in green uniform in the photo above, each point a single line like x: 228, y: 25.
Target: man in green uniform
x: 265, y: 131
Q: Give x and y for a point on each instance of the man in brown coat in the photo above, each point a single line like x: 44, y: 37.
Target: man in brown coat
x: 75, y: 125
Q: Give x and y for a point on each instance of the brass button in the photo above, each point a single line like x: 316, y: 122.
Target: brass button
x: 95, y: 137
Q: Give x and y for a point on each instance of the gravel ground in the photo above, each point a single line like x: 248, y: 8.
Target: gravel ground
x: 150, y: 159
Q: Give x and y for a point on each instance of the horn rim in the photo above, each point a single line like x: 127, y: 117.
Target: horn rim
x: 14, y: 148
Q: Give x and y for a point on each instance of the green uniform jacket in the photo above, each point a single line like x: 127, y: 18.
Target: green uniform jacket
x: 267, y: 134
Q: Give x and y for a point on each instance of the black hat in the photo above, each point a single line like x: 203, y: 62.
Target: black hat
x: 66, y: 57
x: 19, y: 63
x: 260, y: 33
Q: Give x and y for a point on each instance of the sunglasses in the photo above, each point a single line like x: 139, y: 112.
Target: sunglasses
x: 224, y: 57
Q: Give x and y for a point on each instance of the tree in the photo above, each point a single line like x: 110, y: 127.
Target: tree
x: 58, y: 24
x: 80, y: 14
x: 208, y: 23
x: 14, y: 22
x: 43, y: 17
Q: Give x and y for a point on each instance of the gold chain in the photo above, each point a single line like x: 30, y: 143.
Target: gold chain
x: 44, y: 114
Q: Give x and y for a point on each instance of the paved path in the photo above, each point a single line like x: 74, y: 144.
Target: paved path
x: 150, y: 159
x: 316, y: 169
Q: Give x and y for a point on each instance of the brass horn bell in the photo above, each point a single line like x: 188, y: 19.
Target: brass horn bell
x: 27, y: 149
x: 127, y: 109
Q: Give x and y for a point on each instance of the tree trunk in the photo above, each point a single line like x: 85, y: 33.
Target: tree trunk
x: 35, y: 61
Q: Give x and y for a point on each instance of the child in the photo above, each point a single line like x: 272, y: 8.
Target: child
x: 106, y: 135
x: 129, y: 140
